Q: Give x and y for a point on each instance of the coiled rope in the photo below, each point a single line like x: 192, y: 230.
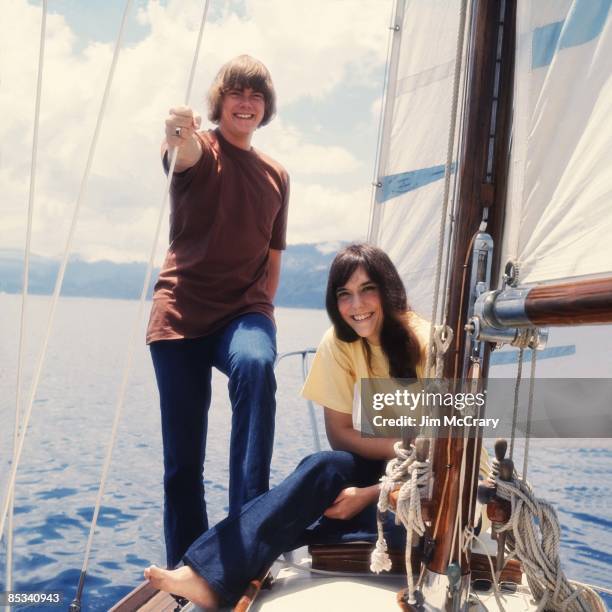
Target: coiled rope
x: 412, y: 476
x: 535, y: 528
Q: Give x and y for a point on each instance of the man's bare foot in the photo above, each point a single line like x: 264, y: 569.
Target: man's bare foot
x: 185, y: 582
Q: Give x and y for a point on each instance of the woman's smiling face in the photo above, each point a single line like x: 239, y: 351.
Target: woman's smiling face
x: 359, y: 305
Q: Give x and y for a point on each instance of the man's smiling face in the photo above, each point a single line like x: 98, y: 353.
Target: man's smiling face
x: 241, y: 112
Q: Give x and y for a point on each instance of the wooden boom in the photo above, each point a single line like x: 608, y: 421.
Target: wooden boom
x: 576, y: 303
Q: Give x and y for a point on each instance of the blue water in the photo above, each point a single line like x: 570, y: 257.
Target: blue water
x: 70, y: 428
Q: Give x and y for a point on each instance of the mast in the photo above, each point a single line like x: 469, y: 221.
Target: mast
x: 483, y: 178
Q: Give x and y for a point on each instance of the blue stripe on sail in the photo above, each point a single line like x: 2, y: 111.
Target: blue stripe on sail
x: 508, y: 357
x: 584, y: 23
x: 397, y: 184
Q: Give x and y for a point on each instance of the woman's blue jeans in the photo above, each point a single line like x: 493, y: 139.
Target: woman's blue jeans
x: 242, y: 546
x: 244, y: 350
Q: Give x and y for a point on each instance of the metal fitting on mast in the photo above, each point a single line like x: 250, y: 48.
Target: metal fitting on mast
x: 500, y: 316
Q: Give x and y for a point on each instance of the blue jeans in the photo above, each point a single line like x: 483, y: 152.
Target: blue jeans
x: 244, y: 350
x: 242, y: 546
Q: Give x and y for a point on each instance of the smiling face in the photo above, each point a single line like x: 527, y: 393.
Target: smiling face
x: 359, y: 305
x: 241, y: 114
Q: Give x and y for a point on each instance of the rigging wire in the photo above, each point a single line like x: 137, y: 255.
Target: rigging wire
x: 62, y: 270
x: 459, y: 66
x: 379, y: 137
x: 517, y: 387
x: 448, y: 443
x: 377, y: 212
x: 460, y: 134
x: 497, y: 593
x: 476, y: 462
x: 132, y: 340
x: 447, y: 174
x: 24, y: 290
x: 443, y: 221
x: 458, y: 531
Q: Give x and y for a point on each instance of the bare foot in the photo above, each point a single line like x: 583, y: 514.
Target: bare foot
x: 185, y: 582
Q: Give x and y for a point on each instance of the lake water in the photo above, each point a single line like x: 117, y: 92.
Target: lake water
x: 70, y: 428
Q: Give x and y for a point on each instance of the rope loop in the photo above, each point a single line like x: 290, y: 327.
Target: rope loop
x: 442, y: 339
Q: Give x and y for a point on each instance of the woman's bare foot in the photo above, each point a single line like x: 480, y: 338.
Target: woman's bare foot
x: 185, y: 582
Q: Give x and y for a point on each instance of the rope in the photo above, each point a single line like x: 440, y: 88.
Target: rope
x: 438, y: 335
x: 529, y: 412
x: 442, y: 339
x: 24, y: 287
x: 469, y: 536
x: 517, y: 386
x: 476, y: 456
x: 132, y: 341
x: 536, y: 532
x: 60, y: 275
x: 459, y: 511
x: 462, y: 116
x: 412, y: 475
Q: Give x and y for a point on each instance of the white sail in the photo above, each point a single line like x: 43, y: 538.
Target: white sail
x: 417, y: 118
x: 558, y: 224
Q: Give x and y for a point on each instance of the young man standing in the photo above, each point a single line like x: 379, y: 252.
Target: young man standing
x: 212, y: 304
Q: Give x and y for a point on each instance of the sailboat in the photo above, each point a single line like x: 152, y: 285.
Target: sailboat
x: 492, y: 199
x: 472, y: 142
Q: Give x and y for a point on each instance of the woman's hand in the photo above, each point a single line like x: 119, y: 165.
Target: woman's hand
x: 352, y: 501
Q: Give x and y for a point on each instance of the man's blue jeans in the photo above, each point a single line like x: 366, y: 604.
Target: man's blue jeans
x: 242, y: 546
x: 244, y: 350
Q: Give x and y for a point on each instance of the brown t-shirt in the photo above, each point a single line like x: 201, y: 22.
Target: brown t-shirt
x: 227, y: 212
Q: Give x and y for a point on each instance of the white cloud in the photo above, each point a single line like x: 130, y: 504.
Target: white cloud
x: 289, y: 144
x: 310, y: 49
x: 320, y: 214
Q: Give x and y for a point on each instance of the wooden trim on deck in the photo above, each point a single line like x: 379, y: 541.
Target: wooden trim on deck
x: 249, y: 596
x: 136, y: 598
x: 144, y: 597
x: 355, y: 557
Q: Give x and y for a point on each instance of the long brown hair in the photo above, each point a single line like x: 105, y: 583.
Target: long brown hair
x: 398, y: 342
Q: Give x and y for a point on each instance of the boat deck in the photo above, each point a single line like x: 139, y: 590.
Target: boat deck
x: 294, y: 587
x: 299, y: 590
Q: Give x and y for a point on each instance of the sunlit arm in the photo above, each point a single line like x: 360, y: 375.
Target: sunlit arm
x: 274, y: 267
x: 188, y: 154
x: 342, y: 436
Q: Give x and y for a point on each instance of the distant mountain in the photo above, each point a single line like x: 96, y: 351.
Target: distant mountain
x: 302, y: 285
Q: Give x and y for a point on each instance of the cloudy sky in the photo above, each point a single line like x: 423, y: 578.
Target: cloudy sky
x: 327, y: 60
